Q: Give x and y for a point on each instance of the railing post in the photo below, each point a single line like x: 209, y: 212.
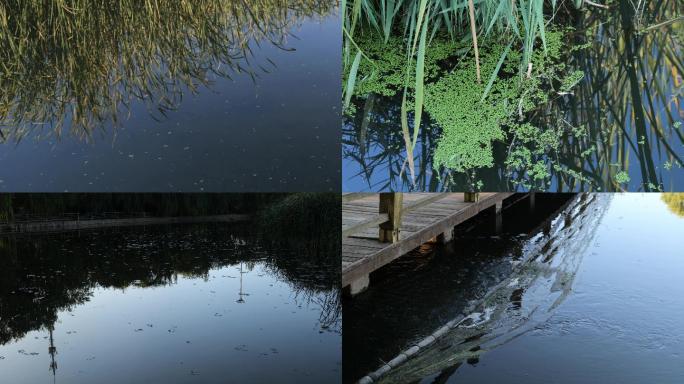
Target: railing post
x: 390, y: 203
x: 471, y: 197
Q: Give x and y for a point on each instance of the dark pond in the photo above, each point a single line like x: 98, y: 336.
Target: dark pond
x: 621, y: 128
x: 208, y: 96
x: 176, y: 304
x: 581, y: 290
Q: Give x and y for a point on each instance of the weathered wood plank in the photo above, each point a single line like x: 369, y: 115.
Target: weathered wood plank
x: 431, y: 216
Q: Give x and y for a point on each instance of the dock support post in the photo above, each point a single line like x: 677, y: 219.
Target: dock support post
x: 499, y: 216
x: 445, y: 237
x: 471, y: 197
x: 359, y: 285
x: 390, y: 203
x: 533, y: 202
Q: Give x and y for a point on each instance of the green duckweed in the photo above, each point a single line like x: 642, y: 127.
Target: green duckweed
x: 469, y: 125
x: 622, y: 177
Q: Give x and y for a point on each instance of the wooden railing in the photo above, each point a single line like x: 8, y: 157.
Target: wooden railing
x: 390, y: 212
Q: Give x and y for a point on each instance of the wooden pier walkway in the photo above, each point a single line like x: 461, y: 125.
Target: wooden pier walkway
x: 378, y: 228
x: 48, y: 225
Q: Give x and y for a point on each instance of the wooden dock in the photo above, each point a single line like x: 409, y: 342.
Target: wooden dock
x: 378, y: 228
x: 56, y: 225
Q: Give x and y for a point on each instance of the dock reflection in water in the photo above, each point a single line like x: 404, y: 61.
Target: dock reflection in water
x: 590, y: 296
x: 187, y: 303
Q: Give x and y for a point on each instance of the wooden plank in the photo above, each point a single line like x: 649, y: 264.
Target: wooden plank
x: 438, y: 213
x: 410, y: 203
x: 351, y: 196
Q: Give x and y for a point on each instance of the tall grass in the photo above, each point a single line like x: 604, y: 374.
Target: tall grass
x: 77, y: 63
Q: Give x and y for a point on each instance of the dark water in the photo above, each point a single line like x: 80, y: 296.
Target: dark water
x: 183, y: 304
x: 420, y: 292
x: 628, y: 107
x: 591, y: 295
x: 254, y: 105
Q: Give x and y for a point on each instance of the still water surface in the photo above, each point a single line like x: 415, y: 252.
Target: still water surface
x: 185, y: 304
x: 588, y: 294
x: 218, y: 98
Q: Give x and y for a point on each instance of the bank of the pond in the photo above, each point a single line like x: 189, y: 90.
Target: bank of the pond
x: 188, y: 303
x: 50, y: 225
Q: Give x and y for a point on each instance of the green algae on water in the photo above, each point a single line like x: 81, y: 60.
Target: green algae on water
x: 470, y: 125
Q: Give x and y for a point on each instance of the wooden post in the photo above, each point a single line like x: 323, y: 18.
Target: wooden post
x: 471, y: 197
x: 390, y: 203
x: 445, y: 237
x: 359, y: 285
x: 499, y: 216
x: 532, y: 201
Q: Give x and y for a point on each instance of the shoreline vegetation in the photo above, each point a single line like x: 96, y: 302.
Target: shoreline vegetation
x: 508, y: 87
x: 70, y: 66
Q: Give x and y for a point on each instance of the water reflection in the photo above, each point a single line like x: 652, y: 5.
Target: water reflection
x: 622, y: 129
x: 674, y: 202
x: 540, y: 281
x: 591, y: 295
x: 629, y: 103
x: 188, y: 298
x: 374, y: 153
x: 73, y: 67
x: 210, y: 95
x: 403, y: 295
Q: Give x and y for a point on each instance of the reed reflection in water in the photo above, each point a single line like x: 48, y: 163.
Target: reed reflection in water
x: 184, y: 298
x: 74, y: 65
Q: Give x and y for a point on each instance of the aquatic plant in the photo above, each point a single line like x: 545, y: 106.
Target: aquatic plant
x: 627, y: 108
x: 609, y: 104
x: 419, y: 21
x: 622, y: 177
x: 472, y: 122
x: 471, y: 117
x: 80, y: 63
x: 306, y: 221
